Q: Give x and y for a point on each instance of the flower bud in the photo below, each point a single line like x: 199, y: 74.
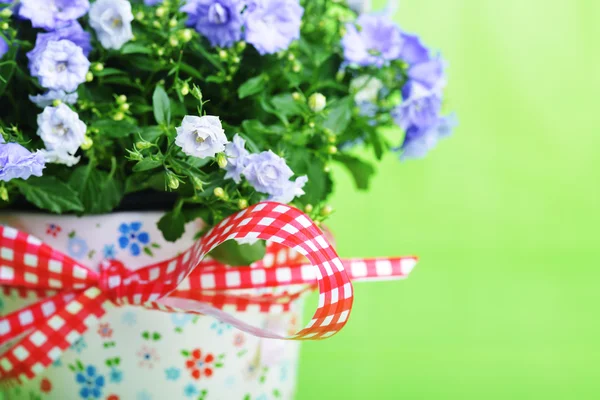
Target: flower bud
x: 296, y: 96
x: 327, y: 168
x: 197, y: 93
x: 222, y: 54
x: 119, y: 116
x: 160, y: 52
x: 332, y: 149
x: 186, y: 35
x: 3, y: 193
x: 56, y: 102
x: 198, y: 184
x: 89, y: 76
x: 326, y: 210
x: 185, y: 89
x: 143, y: 145
x: 172, y: 181
x: 87, y: 143
x: 296, y: 67
x: 140, y: 15
x: 6, y: 13
x: 308, y: 208
x: 235, y: 60
x: 156, y: 24
x: 98, y: 67
x: 331, y: 139
x: 219, y: 192
x: 242, y: 203
x: 317, y: 102
x: 160, y: 12
x: 173, y: 23
x: 121, y: 99
x: 4, y: 26
x: 124, y: 107
x: 221, y: 160
x: 291, y: 57
x: 311, y: 125
x: 241, y: 46
x: 173, y: 42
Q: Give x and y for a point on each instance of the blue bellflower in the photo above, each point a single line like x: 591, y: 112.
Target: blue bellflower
x: 52, y: 14
x: 272, y: 25
x: 18, y: 162
x: 3, y: 47
x: 418, y: 142
x: 220, y: 21
x: 377, y: 41
x: 237, y: 158
x: 60, y: 66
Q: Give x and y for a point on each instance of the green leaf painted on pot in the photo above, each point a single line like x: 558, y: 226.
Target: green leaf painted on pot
x: 156, y: 336
x: 185, y: 353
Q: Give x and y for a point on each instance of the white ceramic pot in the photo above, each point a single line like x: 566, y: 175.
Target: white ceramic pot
x: 140, y: 354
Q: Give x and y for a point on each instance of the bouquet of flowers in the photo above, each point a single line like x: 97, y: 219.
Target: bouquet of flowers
x: 204, y: 106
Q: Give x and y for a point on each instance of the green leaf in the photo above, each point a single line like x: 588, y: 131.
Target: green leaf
x: 172, y: 225
x: 156, y: 336
x: 252, y: 86
x: 48, y: 193
x: 286, y: 105
x: 340, y: 114
x: 147, y: 164
x: 361, y: 171
x: 109, y: 71
x: 185, y: 353
x: 151, y: 133
x: 161, y: 105
x: 114, y: 129
x: 235, y: 254
x: 97, y: 190
x: 146, y: 335
x: 135, y: 48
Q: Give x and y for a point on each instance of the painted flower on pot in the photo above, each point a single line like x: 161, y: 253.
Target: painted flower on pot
x: 77, y: 247
x: 133, y: 238
x: 91, y: 383
x: 200, y: 364
x: 148, y: 357
x: 53, y: 230
x: 45, y: 385
x: 105, y: 331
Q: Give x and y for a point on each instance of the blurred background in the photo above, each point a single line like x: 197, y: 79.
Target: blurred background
x: 505, y: 217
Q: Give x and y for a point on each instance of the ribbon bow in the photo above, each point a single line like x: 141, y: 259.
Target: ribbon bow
x: 77, y: 296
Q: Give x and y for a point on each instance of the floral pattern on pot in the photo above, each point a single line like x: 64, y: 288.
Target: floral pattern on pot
x: 141, y: 354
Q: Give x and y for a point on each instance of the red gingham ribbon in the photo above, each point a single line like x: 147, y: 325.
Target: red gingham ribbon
x: 79, y: 296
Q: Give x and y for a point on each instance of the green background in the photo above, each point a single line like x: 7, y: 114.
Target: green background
x: 504, y: 215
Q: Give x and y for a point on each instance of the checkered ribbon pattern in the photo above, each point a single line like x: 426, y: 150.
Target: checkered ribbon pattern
x: 72, y: 297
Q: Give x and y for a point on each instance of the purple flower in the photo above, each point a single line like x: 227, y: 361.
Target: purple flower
x: 429, y: 74
x: 3, y: 47
x: 111, y: 19
x: 420, y: 107
x: 413, y: 50
x: 268, y: 173
x: 418, y: 142
x: 74, y: 32
x: 61, y: 129
x: 60, y: 66
x: 46, y: 99
x: 18, y: 162
x: 272, y: 25
x: 52, y: 14
x: 378, y: 41
x: 152, y: 2
x: 201, y: 136
x: 237, y: 158
x: 221, y: 21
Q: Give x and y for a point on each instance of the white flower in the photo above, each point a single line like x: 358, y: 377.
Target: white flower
x: 201, y: 136
x: 366, y: 87
x: 59, y: 157
x: 111, y: 19
x: 61, y: 129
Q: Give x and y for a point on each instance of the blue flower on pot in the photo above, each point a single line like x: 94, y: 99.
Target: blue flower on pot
x: 77, y: 247
x: 116, y: 376
x: 133, y: 238
x: 91, y: 383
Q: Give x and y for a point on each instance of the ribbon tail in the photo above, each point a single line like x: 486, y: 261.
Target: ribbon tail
x: 23, y: 320
x: 46, y: 343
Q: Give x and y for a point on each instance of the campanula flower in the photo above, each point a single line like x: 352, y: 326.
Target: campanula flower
x: 237, y: 158
x: 372, y: 40
x: 61, y: 129
x: 201, y: 136
x: 18, y: 162
x: 3, y: 47
x: 220, y: 21
x: 52, y: 14
x: 46, y: 99
x: 418, y: 142
x: 60, y: 66
x: 272, y: 25
x: 268, y: 173
x: 420, y: 107
x: 111, y: 19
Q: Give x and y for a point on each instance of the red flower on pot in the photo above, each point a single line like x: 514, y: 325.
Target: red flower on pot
x: 112, y: 397
x: 200, y: 364
x: 53, y: 230
x: 105, y: 331
x: 45, y: 385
